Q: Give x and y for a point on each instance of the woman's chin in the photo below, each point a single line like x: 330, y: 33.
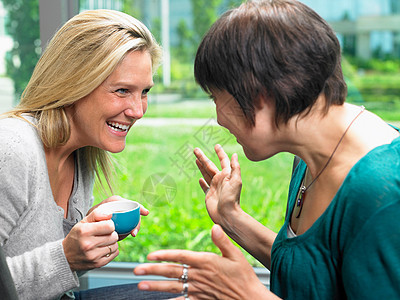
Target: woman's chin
x: 115, y: 148
x: 253, y: 156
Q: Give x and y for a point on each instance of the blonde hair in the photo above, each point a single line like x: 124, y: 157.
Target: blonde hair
x: 80, y: 56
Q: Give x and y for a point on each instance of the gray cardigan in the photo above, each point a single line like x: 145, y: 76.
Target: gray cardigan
x: 32, y: 226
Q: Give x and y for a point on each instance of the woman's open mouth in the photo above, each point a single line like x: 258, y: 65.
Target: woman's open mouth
x: 118, y: 127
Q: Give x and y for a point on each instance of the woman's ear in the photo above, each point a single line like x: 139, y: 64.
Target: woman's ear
x: 261, y: 100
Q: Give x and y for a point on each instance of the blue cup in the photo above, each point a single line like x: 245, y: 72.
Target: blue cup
x: 125, y: 214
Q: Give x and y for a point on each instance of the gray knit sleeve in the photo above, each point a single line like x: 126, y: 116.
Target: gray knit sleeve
x: 31, y: 231
x: 42, y: 273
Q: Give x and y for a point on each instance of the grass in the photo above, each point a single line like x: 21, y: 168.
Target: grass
x: 204, y: 108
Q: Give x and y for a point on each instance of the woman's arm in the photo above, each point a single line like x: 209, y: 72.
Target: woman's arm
x: 250, y: 234
x: 42, y: 273
x: 222, y: 189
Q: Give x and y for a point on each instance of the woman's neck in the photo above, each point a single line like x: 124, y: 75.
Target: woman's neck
x: 318, y: 134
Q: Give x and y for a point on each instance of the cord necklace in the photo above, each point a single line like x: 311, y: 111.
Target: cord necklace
x: 303, y: 188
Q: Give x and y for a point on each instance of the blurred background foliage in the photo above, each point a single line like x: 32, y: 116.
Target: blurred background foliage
x: 23, y: 25
x: 375, y: 81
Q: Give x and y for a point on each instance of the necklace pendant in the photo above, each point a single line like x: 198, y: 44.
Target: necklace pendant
x: 300, y: 198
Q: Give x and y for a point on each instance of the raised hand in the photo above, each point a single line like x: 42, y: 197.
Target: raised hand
x: 222, y: 188
x: 209, y: 275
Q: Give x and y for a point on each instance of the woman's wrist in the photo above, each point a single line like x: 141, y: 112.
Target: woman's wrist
x: 231, y: 221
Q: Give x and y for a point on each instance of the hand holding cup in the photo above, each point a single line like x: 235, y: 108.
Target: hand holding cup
x: 125, y: 214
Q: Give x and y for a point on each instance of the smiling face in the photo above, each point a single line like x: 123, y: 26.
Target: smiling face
x: 260, y: 141
x: 103, y: 118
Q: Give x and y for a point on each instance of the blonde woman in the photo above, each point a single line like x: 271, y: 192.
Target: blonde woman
x: 88, y: 89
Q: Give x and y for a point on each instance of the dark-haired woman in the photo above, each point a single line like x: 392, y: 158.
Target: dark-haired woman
x: 274, y: 71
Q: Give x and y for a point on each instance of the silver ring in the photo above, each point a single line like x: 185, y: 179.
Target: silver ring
x: 109, y: 254
x: 185, y: 288
x: 184, y: 276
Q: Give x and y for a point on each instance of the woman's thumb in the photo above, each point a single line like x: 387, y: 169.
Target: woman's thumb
x: 97, y: 215
x: 222, y: 241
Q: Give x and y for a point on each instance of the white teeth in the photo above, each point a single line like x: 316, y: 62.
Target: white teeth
x: 117, y: 126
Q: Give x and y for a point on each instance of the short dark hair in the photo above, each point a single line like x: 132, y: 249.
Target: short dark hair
x: 281, y: 49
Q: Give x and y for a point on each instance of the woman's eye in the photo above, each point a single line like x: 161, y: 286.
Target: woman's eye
x: 144, y: 92
x: 122, y: 91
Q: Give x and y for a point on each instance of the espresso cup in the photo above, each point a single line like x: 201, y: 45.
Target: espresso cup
x: 125, y: 214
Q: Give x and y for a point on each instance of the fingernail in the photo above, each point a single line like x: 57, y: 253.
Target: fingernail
x: 135, y: 232
x: 105, y: 214
x: 144, y: 286
x: 152, y: 256
x: 217, y: 231
x: 140, y: 272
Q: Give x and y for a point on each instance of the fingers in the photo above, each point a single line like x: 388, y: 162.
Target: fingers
x: 97, y: 215
x: 85, y: 251
x: 170, y: 286
x: 135, y: 231
x: 96, y: 228
x: 206, y: 166
x: 111, y: 250
x: 207, y: 177
x: 204, y: 185
x: 143, y: 210
x: 235, y: 174
x: 181, y: 256
x: 223, y: 157
x: 221, y: 240
x: 160, y: 269
x: 173, y: 271
x: 99, y: 257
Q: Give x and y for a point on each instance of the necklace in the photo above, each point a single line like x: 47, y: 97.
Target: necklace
x: 303, y: 188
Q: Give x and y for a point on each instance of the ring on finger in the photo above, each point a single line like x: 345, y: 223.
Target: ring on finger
x: 184, y: 276
x: 109, y: 254
x: 185, y: 289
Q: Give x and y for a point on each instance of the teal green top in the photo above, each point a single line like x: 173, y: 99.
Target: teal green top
x: 353, y: 250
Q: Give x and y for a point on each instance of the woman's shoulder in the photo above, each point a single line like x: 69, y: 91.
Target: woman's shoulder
x: 368, y: 194
x: 380, y: 165
x: 19, y: 135
x: 373, y: 182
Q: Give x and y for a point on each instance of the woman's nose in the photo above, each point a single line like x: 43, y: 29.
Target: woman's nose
x: 137, y: 108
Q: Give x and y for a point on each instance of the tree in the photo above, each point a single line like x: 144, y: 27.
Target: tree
x: 23, y: 26
x: 133, y: 8
x: 234, y: 3
x: 184, y: 49
x: 204, y: 15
